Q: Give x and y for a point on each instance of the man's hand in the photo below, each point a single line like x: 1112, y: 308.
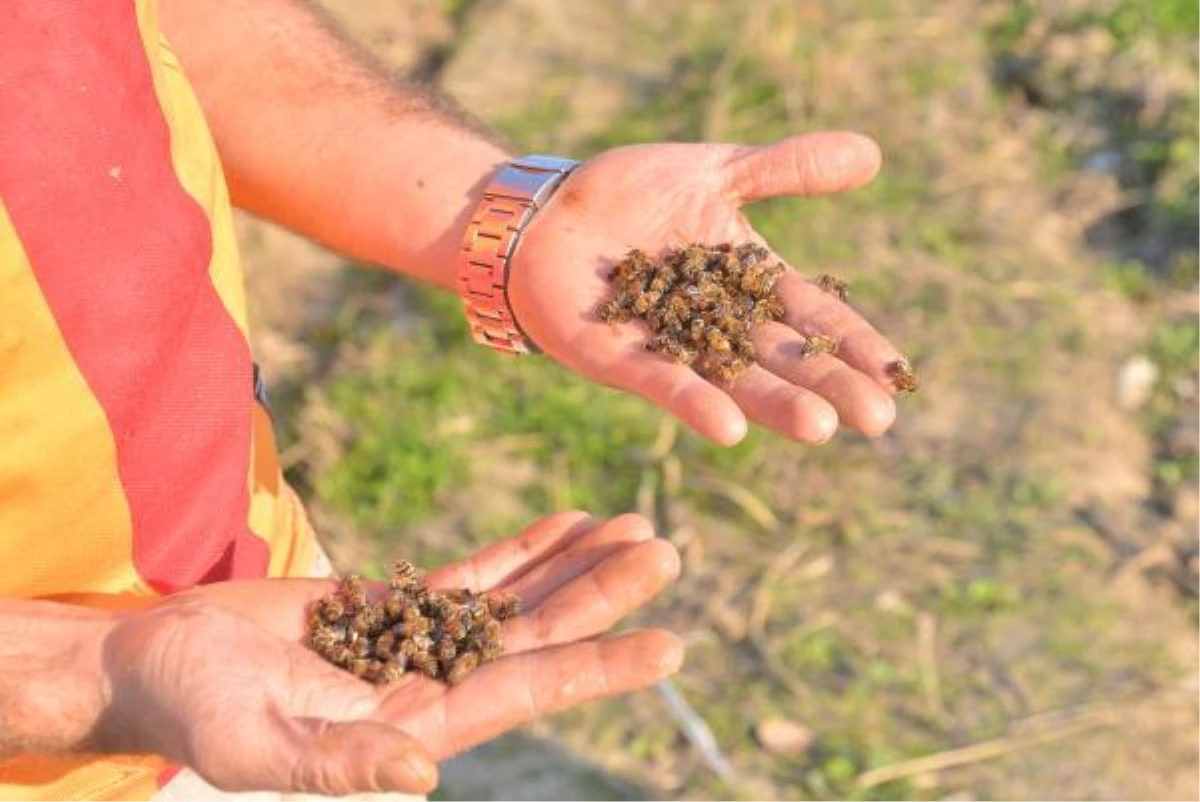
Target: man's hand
x: 391, y: 175
x: 654, y: 196
x: 218, y: 678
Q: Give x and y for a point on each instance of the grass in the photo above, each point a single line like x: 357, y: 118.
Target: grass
x: 959, y: 515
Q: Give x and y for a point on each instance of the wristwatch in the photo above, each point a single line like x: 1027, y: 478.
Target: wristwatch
x: 510, y: 201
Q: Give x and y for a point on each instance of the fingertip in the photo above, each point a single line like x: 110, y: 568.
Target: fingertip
x: 635, y: 526
x: 877, y: 417
x: 671, y: 652
x: 729, y: 430
x: 410, y: 772
x: 821, y: 424
x: 666, y: 559
x: 870, y: 155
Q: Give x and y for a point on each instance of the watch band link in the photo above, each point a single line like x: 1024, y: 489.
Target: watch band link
x: 511, y: 199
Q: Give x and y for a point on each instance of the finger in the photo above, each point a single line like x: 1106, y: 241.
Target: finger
x: 314, y: 756
x: 814, y: 164
x: 597, y: 599
x: 518, y: 689
x: 505, y: 560
x: 783, y: 407
x: 682, y: 392
x: 860, y: 403
x: 810, y: 310
x: 584, y: 553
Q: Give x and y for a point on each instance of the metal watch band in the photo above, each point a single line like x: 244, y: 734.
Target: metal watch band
x: 521, y: 188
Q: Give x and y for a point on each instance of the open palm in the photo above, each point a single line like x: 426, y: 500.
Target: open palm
x: 218, y: 678
x: 655, y: 196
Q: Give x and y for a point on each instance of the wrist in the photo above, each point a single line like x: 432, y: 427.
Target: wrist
x: 54, y: 688
x: 493, y: 235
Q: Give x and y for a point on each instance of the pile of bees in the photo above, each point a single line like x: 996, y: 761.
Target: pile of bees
x: 443, y: 635
x: 702, y: 304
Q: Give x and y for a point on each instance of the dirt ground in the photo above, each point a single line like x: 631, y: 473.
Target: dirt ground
x: 1044, y: 618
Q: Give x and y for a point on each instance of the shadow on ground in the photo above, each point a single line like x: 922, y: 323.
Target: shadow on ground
x: 520, y: 766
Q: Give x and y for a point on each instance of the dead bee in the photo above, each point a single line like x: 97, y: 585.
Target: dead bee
x: 323, y: 640
x: 391, y: 672
x: 644, y: 302
x: 750, y: 254
x: 504, y: 605
x: 771, y: 308
x: 365, y: 621
x: 416, y: 627
x: 353, y: 591
x: 457, y: 595
x: 361, y: 666
x: 615, y: 311
x: 723, y: 373
x: 404, y: 575
x: 760, y: 279
x: 463, y: 665
x: 833, y: 285
x: 339, y: 654
x: 716, y: 340
x: 903, y: 377
x: 680, y: 352
x: 445, y: 650
x: 493, y: 631
x: 727, y: 320
x: 711, y: 293
x: 395, y: 604
x: 675, y: 311
x: 331, y: 608
x: 632, y: 269
x: 455, y: 627
x: 426, y: 663
x: 694, y: 263
x: 818, y: 344
x: 385, y: 644
x: 490, y: 650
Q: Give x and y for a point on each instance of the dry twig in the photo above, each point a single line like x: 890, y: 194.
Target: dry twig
x: 986, y: 750
x: 927, y: 657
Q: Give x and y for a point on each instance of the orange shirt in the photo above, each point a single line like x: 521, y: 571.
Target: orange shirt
x: 134, y: 459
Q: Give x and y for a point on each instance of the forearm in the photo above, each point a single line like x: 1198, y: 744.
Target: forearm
x: 313, y: 135
x: 53, y: 689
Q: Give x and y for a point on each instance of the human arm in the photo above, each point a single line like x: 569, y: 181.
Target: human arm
x: 52, y: 683
x: 314, y: 136
x: 217, y: 677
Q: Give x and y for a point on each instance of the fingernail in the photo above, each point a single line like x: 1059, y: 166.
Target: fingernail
x: 733, y: 432
x: 672, y: 658
x: 409, y: 772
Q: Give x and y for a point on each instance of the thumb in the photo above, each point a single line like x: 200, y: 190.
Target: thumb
x: 336, y: 758
x: 814, y: 164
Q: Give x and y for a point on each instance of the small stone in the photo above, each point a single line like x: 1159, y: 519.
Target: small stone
x: 783, y: 736
x: 891, y: 601
x: 958, y: 796
x: 1135, y: 382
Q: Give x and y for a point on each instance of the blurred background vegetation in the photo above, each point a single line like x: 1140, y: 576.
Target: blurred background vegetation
x: 1006, y: 583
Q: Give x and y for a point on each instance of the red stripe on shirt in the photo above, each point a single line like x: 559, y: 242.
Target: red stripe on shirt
x: 121, y: 253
